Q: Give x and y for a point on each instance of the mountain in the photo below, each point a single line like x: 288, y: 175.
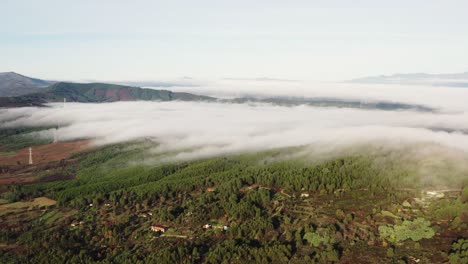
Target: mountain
x: 14, y: 84
x: 96, y: 93
x: 450, y: 79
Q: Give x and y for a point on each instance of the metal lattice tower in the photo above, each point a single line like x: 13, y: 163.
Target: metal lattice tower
x: 30, y: 156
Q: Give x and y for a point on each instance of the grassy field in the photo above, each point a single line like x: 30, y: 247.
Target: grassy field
x: 26, y: 205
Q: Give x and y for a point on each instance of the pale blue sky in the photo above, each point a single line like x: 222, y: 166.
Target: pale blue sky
x: 307, y: 40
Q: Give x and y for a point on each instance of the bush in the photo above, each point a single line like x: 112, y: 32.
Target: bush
x: 459, y: 252
x: 464, y: 196
x: 320, y: 237
x: 414, y: 230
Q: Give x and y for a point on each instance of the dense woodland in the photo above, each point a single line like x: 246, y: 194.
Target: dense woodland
x: 276, y: 209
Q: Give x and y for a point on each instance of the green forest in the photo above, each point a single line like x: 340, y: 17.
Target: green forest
x: 262, y: 207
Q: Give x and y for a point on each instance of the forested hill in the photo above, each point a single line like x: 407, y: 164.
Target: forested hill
x: 96, y: 93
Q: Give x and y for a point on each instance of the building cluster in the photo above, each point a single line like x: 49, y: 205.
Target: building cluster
x: 209, y: 226
x: 161, y: 229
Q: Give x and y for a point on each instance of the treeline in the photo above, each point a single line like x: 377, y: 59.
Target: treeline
x: 107, y: 175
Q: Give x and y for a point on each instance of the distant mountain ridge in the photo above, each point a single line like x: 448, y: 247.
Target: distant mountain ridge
x: 14, y: 84
x: 331, y: 102
x: 450, y: 79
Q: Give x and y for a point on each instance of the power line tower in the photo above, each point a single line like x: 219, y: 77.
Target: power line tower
x: 30, y: 156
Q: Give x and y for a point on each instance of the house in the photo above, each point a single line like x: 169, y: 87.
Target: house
x: 210, y: 189
x: 206, y: 226
x: 159, y: 228
x: 224, y: 227
x: 304, y: 195
x: 76, y: 223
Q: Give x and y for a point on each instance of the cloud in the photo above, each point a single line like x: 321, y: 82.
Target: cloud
x: 200, y: 129
x: 439, y: 97
x: 434, y: 143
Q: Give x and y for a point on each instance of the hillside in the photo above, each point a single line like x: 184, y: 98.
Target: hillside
x: 14, y: 84
x: 96, y: 93
x: 102, y: 92
x: 112, y: 205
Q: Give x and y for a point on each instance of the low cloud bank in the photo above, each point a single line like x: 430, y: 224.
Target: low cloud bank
x: 438, y: 97
x: 435, y: 144
x: 199, y: 129
x: 202, y: 129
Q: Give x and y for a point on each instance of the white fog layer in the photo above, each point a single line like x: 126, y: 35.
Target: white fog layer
x: 209, y: 129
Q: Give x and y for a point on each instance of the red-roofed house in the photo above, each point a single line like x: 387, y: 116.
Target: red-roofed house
x: 159, y: 228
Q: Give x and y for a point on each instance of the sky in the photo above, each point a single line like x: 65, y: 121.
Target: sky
x: 300, y: 40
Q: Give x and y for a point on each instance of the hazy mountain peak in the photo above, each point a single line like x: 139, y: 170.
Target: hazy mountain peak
x: 444, y: 79
x: 14, y: 84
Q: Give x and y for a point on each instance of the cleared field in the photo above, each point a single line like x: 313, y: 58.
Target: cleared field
x: 25, y: 178
x: 51, y: 216
x: 14, y: 169
x: 22, y: 206
x: 20, y: 178
x: 45, y: 153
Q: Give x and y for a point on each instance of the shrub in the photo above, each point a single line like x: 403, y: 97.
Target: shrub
x: 459, y: 252
x: 414, y: 230
x: 464, y: 196
x: 319, y: 237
